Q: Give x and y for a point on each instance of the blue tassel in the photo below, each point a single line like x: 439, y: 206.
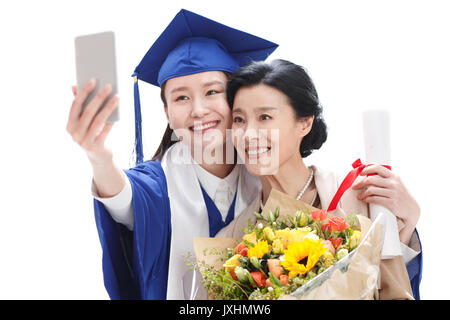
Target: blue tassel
x: 138, y: 123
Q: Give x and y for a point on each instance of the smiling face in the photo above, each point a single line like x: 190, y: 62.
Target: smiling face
x: 197, y: 110
x: 267, y: 133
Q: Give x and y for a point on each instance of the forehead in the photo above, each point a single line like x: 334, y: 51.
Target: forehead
x: 259, y: 96
x: 196, y: 80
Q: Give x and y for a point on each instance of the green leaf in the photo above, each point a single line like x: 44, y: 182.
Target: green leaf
x: 271, y: 216
x: 258, y: 215
x: 248, y: 244
x: 259, y: 233
x: 274, y: 280
x: 277, y: 213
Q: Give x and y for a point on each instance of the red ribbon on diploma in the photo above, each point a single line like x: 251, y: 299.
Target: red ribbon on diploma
x: 348, y: 182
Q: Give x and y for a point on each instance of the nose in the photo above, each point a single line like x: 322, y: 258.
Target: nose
x: 199, y: 109
x: 247, y: 135
x: 251, y: 131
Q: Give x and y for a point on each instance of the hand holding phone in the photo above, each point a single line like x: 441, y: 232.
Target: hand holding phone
x: 94, y: 108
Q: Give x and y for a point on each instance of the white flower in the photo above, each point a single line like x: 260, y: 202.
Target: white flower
x: 259, y: 225
x: 312, y: 236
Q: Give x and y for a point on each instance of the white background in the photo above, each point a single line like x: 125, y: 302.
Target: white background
x: 361, y: 55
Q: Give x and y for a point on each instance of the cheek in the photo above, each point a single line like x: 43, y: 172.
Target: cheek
x: 178, y: 117
x: 220, y: 106
x: 287, y: 142
x: 237, y: 135
x: 228, y: 120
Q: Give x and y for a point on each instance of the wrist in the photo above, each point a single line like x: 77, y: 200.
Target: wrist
x: 105, y: 162
x: 108, y: 178
x: 406, y: 234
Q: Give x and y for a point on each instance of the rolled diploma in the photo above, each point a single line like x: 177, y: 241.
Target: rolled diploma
x: 378, y: 151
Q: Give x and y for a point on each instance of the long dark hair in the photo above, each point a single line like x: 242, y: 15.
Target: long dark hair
x: 167, y: 139
x: 295, y: 83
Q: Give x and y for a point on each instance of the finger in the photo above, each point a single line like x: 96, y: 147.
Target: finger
x: 91, y: 110
x: 375, y: 191
x: 100, y: 119
x: 382, y: 201
x: 376, y: 169
x: 375, y: 180
x: 77, y: 106
x: 100, y: 140
x: 74, y: 90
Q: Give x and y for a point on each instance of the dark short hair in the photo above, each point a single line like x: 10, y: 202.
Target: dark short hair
x: 295, y: 83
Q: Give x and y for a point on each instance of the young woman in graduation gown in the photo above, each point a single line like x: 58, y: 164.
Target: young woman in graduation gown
x: 148, y: 215
x: 280, y: 95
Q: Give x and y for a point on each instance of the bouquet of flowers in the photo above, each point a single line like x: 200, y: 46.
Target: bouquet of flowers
x: 292, y: 255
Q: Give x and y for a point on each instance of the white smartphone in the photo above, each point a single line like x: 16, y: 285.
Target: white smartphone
x: 95, y: 57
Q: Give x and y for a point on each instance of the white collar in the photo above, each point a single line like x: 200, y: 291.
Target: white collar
x: 211, y: 183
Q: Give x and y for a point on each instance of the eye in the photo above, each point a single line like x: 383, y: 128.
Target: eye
x: 238, y: 119
x: 181, y: 98
x: 265, y: 117
x: 211, y: 92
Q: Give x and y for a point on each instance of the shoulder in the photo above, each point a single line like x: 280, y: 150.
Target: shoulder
x: 325, y: 179
x: 148, y: 168
x: 149, y: 174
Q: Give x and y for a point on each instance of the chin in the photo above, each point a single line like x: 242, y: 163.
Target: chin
x: 260, y: 170
x: 208, y: 148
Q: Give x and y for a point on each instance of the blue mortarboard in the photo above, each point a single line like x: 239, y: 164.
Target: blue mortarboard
x: 192, y: 44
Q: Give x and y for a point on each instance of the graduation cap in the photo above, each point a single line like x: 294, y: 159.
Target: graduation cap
x: 192, y: 44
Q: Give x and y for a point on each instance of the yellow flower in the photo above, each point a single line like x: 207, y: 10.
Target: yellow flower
x: 288, y: 236
x: 302, y: 218
x: 251, y: 237
x: 328, y: 258
x: 232, y: 263
x: 283, y: 234
x: 261, y: 248
x: 298, y: 235
x: 268, y: 234
x: 354, y: 239
x: 301, y: 257
x: 277, y: 246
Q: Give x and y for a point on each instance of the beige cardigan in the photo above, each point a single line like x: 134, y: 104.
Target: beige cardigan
x: 394, y: 276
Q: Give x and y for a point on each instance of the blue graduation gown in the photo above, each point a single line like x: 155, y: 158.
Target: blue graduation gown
x: 215, y: 217
x: 136, y: 263
x: 414, y: 268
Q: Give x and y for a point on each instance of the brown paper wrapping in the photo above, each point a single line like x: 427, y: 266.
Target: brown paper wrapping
x: 358, y: 282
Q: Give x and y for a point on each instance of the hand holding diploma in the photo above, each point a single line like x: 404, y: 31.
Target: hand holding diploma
x: 385, y: 189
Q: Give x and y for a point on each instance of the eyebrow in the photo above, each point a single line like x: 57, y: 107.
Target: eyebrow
x: 210, y: 83
x: 207, y: 84
x: 239, y: 110
x: 178, y: 89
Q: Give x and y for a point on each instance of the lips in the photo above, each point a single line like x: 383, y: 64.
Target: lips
x: 256, y: 152
x: 201, y: 127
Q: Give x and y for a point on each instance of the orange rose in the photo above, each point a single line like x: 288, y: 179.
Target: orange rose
x: 337, y: 224
x: 319, y: 215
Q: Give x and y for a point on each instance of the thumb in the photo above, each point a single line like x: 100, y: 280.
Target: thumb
x: 74, y: 90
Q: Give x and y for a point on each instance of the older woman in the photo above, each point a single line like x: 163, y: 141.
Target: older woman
x: 277, y: 121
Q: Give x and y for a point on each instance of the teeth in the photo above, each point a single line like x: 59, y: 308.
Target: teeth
x: 205, y: 126
x: 257, y: 151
